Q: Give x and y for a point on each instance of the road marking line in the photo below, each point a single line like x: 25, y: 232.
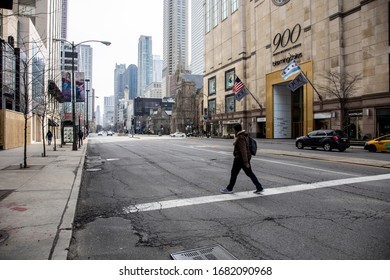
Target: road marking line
x: 161, y: 205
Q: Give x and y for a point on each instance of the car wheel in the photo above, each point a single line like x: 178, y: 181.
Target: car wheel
x: 372, y: 149
x: 342, y: 149
x: 300, y: 145
x: 327, y: 147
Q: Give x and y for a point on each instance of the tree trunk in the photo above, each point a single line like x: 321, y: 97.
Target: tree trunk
x: 25, y: 142
x: 43, y: 135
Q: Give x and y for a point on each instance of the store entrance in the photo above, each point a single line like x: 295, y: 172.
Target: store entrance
x: 288, y: 112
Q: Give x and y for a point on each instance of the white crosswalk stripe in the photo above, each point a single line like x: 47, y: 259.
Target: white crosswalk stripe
x: 161, y: 205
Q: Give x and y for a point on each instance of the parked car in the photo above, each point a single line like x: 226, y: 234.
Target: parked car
x: 380, y: 144
x: 110, y: 133
x: 178, y: 134
x: 100, y: 133
x: 327, y: 139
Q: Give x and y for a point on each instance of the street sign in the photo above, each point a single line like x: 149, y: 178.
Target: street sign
x: 299, y: 81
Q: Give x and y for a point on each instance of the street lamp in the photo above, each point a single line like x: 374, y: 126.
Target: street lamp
x: 87, y: 125
x: 74, y: 147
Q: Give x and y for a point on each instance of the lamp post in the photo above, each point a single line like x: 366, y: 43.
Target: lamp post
x: 87, y: 115
x: 73, y: 45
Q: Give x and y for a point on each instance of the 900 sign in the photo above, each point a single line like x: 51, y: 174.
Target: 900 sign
x: 288, y: 36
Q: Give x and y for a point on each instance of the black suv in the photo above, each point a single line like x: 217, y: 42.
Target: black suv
x: 327, y: 139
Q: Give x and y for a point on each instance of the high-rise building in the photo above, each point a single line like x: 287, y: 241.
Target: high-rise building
x: 157, y: 68
x: 175, y: 40
x: 333, y: 47
x: 27, y: 30
x: 197, y: 41
x: 84, y: 62
x: 145, y: 63
x: 109, y: 112
x: 131, y: 80
x: 64, y: 20
x: 98, y: 116
x: 119, y: 87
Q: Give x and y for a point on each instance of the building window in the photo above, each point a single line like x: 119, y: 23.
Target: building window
x: 212, y: 86
x: 230, y: 103
x: 212, y: 107
x: 207, y: 15
x: 229, y: 79
x: 1, y: 25
x: 215, y: 13
x: 224, y: 9
x: 234, y: 5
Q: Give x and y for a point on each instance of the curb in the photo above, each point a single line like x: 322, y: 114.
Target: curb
x: 63, y: 237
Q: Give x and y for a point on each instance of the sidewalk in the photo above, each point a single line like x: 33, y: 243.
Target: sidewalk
x: 37, y: 204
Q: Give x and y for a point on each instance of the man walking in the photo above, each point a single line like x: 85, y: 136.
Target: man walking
x: 242, y: 157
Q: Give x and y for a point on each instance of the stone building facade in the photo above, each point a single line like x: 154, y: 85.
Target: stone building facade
x: 255, y: 39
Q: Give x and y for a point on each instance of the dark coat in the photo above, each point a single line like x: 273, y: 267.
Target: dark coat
x: 241, y: 147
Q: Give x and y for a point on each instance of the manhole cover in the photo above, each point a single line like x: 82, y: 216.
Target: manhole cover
x: 205, y: 253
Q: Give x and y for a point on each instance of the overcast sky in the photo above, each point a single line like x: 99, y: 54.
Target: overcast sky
x: 121, y: 22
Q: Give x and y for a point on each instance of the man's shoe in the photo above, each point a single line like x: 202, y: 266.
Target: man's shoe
x: 259, y: 191
x: 225, y: 190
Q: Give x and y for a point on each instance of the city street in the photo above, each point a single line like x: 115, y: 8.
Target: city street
x: 148, y: 197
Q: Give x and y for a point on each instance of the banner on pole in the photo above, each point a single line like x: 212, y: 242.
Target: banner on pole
x: 299, y: 81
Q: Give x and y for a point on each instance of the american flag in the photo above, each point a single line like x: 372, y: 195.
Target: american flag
x: 238, y: 85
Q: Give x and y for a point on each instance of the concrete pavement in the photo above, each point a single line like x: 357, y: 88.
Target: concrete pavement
x: 37, y: 204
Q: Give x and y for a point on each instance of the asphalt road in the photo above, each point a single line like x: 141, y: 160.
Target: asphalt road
x: 148, y: 197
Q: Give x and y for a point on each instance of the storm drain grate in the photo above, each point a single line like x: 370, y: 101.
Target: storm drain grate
x: 4, y: 193
x: 205, y: 253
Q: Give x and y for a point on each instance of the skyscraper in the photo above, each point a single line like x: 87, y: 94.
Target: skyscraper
x: 197, y: 41
x: 145, y: 63
x: 84, y: 61
x: 157, y: 68
x: 119, y: 87
x: 64, y: 20
x: 131, y: 80
x: 175, y: 40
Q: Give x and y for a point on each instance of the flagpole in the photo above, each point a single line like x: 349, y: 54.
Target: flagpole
x: 319, y: 95
x: 261, y: 107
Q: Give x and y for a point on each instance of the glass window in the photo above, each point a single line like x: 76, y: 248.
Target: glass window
x: 207, y: 15
x: 212, y: 106
x: 229, y: 79
x: 234, y: 5
x: 212, y: 86
x: 230, y: 103
x: 224, y: 9
x: 215, y: 13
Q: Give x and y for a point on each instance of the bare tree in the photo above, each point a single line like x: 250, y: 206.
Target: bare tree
x: 33, y: 92
x: 342, y: 86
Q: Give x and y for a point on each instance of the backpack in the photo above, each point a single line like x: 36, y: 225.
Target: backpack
x: 252, y: 146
